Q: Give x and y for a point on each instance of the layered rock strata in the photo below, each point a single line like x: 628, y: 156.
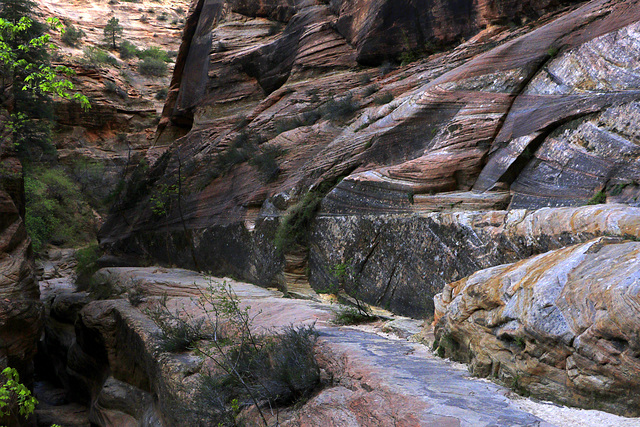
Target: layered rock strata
x: 281, y: 110
x: 561, y: 326
x: 400, y: 261
x: 21, y: 312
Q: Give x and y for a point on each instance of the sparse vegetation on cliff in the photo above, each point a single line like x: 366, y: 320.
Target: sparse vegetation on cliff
x: 152, y: 67
x: 113, y: 32
x: 56, y: 210
x: 72, y: 35
x: 247, y: 369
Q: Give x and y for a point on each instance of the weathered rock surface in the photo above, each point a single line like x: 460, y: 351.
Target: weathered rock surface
x: 400, y: 261
x: 419, y: 170
x: 100, y: 146
x: 369, y: 379
x: 21, y: 312
x: 562, y: 325
x: 277, y: 101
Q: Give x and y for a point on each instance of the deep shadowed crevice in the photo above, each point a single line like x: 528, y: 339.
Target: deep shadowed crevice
x: 528, y: 154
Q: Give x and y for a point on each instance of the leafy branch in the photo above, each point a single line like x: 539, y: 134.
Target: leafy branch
x: 40, y: 78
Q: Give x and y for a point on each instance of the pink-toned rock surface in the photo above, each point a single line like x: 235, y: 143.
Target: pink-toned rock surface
x: 561, y: 325
x: 367, y: 379
x: 278, y: 110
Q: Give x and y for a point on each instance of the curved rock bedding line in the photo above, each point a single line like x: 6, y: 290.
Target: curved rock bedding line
x: 562, y: 326
x: 369, y: 380
x: 402, y: 261
x: 280, y: 107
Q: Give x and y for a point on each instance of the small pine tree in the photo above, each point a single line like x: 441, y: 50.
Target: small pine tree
x: 112, y: 32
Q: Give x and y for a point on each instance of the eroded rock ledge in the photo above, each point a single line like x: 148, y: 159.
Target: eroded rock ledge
x: 402, y: 260
x: 113, y: 361
x: 562, y: 326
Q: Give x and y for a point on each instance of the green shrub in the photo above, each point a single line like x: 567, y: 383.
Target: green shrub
x: 351, y: 316
x: 72, y: 35
x: 152, y: 67
x: 55, y: 209
x: 87, y: 263
x: 95, y: 57
x: 162, y: 94
x: 112, y: 87
x: 266, y: 161
x: 383, y: 98
x: 240, y: 150
x: 178, y: 333
x: 297, y: 221
x: 136, y: 296
x: 599, y: 198
x: 295, y: 224
x: 251, y: 370
x: 409, y: 56
x: 370, y: 90
x: 163, y: 17
x: 179, y: 10
x: 340, y: 108
x: 127, y: 50
x: 305, y: 119
x: 154, y: 52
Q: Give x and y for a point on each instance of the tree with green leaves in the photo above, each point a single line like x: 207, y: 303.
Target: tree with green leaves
x: 112, y: 32
x: 16, y: 400
x: 26, y: 71
x: 27, y: 79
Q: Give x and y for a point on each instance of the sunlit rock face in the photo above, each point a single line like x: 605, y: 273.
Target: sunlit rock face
x: 561, y: 325
x: 413, y: 163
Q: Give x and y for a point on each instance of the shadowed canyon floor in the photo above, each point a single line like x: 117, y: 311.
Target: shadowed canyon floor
x: 371, y: 378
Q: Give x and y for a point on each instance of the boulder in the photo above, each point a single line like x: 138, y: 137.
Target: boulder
x: 560, y: 326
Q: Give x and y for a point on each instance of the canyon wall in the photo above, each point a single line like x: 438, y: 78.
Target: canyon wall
x: 303, y: 153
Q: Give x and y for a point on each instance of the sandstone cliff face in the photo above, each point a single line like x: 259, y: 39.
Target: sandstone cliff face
x: 282, y: 111
x: 102, y: 145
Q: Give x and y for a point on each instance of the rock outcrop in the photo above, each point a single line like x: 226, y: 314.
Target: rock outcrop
x: 21, y: 312
x: 283, y: 113
x: 117, y: 366
x: 400, y: 261
x: 561, y: 326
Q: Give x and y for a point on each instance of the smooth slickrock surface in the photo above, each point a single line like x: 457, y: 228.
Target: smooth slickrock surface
x: 369, y: 379
x: 562, y: 326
